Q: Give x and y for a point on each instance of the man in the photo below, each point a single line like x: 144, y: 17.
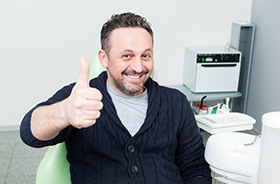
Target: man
x: 121, y: 127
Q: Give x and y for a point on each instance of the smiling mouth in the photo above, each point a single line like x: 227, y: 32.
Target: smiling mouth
x: 134, y: 76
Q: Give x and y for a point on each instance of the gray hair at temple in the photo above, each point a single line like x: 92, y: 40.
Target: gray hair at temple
x: 119, y: 21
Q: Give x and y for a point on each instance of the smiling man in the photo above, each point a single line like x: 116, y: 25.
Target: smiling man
x: 121, y: 127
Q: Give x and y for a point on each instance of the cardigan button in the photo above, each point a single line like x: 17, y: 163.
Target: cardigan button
x: 131, y: 149
x: 134, y: 169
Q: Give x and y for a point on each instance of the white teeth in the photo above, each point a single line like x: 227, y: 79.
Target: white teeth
x: 133, y: 76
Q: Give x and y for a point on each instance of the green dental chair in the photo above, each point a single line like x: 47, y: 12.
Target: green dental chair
x: 54, y: 167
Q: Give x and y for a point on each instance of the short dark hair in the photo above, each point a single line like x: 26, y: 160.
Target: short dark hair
x: 122, y: 20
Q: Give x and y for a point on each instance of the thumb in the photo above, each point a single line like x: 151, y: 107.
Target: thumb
x: 84, y: 71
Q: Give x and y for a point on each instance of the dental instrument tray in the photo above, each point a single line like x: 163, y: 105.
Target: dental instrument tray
x: 228, y: 122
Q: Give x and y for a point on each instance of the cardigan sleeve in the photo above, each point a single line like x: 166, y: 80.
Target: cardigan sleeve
x: 25, y: 129
x: 190, y: 153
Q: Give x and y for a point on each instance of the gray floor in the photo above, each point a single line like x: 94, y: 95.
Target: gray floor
x: 18, y: 162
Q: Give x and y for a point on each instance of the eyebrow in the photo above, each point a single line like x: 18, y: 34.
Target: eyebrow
x: 129, y: 50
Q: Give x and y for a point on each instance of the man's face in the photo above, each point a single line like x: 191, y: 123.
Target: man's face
x: 130, y: 61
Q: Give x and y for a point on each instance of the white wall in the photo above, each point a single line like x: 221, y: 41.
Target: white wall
x: 41, y: 42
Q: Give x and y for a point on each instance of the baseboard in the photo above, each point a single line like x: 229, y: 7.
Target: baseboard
x: 9, y: 127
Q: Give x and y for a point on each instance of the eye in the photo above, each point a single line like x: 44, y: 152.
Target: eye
x: 127, y: 56
x: 146, y: 56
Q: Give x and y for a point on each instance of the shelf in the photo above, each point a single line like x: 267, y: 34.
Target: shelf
x: 194, y: 97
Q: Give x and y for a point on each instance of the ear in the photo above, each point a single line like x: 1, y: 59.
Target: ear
x: 103, y: 58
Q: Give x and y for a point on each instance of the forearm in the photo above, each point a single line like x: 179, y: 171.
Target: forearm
x: 47, y: 121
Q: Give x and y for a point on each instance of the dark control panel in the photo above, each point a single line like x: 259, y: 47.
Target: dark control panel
x: 218, y: 58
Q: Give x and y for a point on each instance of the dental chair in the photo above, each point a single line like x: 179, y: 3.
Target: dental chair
x: 54, y: 167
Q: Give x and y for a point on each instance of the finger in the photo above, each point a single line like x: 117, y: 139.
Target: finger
x: 87, y: 119
x: 84, y: 71
x: 90, y: 105
x: 84, y: 124
x: 93, y: 94
x: 93, y: 115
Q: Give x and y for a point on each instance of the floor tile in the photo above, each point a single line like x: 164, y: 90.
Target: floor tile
x: 21, y: 150
x: 23, y: 166
x: 30, y: 179
x: 9, y: 136
x: 18, y: 162
x: 2, y: 179
x: 4, y: 167
x: 6, y: 150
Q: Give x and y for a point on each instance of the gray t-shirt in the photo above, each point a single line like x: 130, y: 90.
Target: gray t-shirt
x: 130, y: 109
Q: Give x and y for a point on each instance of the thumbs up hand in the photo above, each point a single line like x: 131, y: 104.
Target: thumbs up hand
x: 83, y: 106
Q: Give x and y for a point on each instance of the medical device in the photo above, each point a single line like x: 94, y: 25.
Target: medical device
x: 211, y: 69
x: 228, y: 122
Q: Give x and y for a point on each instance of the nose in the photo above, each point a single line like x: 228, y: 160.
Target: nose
x: 137, y: 64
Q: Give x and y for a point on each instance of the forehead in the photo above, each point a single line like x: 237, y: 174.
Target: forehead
x: 131, y: 37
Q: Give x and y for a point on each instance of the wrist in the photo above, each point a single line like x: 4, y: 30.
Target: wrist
x: 62, y: 116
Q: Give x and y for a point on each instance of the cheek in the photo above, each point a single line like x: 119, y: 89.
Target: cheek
x: 118, y: 67
x: 149, y: 65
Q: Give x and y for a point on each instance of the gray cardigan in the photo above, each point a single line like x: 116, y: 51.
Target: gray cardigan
x: 167, y: 149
